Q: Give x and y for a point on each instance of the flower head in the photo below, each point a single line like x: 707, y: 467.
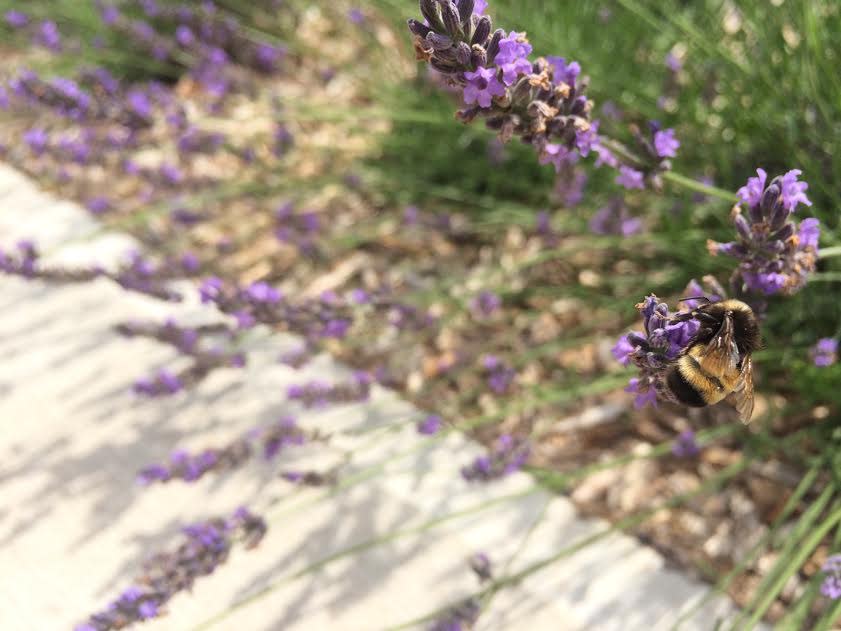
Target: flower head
x: 665, y: 335
x: 776, y: 255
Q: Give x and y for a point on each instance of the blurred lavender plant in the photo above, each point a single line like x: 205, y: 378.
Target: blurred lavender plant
x: 460, y: 616
x: 319, y: 393
x: 206, y: 546
x: 499, y: 375
x: 775, y: 254
x: 831, y: 585
x: 465, y: 614
x: 270, y: 440
x: 615, y: 219
x: 509, y: 455
x: 137, y: 274
x: 430, y: 425
x: 825, y: 352
x: 685, y: 445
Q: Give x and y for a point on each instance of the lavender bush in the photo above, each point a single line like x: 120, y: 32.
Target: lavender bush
x: 227, y: 139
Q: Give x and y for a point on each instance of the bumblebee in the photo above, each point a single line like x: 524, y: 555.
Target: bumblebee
x: 716, y: 365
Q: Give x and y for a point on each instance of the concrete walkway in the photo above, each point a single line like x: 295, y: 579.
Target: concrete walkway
x: 74, y: 527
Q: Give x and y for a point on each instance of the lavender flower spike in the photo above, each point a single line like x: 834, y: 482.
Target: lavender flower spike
x: 205, y: 547
x: 540, y: 101
x: 654, y: 349
x: 776, y: 255
x: 509, y: 455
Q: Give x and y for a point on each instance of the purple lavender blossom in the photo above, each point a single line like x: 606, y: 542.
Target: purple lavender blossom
x: 16, y: 19
x: 37, y: 140
x: 776, y: 256
x: 557, y: 155
x: 429, y: 425
x: 480, y: 6
x: 163, y: 383
x: 825, y: 352
x: 615, y: 219
x: 665, y: 143
x: 831, y: 586
x: 673, y: 62
x: 569, y: 186
x: 564, y: 72
x: 109, y: 14
x: 512, y: 58
x: 261, y: 292
x: 459, y: 617
x: 48, y: 36
x: 622, y: 350
x: 509, y: 455
x: 630, y: 178
x: 685, y: 445
x: 499, y: 375
x: 605, y: 156
x: 98, y: 205
x: 481, y: 86
x: 485, y: 304
x: 205, y: 547
x: 356, y: 16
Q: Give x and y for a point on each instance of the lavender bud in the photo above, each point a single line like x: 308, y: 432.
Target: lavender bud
x: 493, y: 45
x: 452, y: 20
x: 439, y: 42
x: 463, y: 53
x: 431, y: 10
x: 419, y: 28
x: 779, y: 215
x: 482, y: 31
x: 478, y: 56
x: 770, y: 196
x: 783, y: 233
x: 743, y: 227
x: 465, y: 10
x: 440, y: 66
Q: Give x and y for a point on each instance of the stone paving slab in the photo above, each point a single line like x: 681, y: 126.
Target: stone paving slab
x: 74, y: 527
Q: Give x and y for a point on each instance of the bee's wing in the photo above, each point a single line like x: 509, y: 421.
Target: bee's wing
x: 720, y: 357
x: 742, y: 396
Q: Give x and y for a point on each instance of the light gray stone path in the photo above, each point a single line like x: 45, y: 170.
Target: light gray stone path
x: 74, y: 527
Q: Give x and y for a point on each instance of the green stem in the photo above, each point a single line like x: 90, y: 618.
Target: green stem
x: 827, y: 253
x: 699, y: 187
x: 626, y: 523
x: 361, y: 547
